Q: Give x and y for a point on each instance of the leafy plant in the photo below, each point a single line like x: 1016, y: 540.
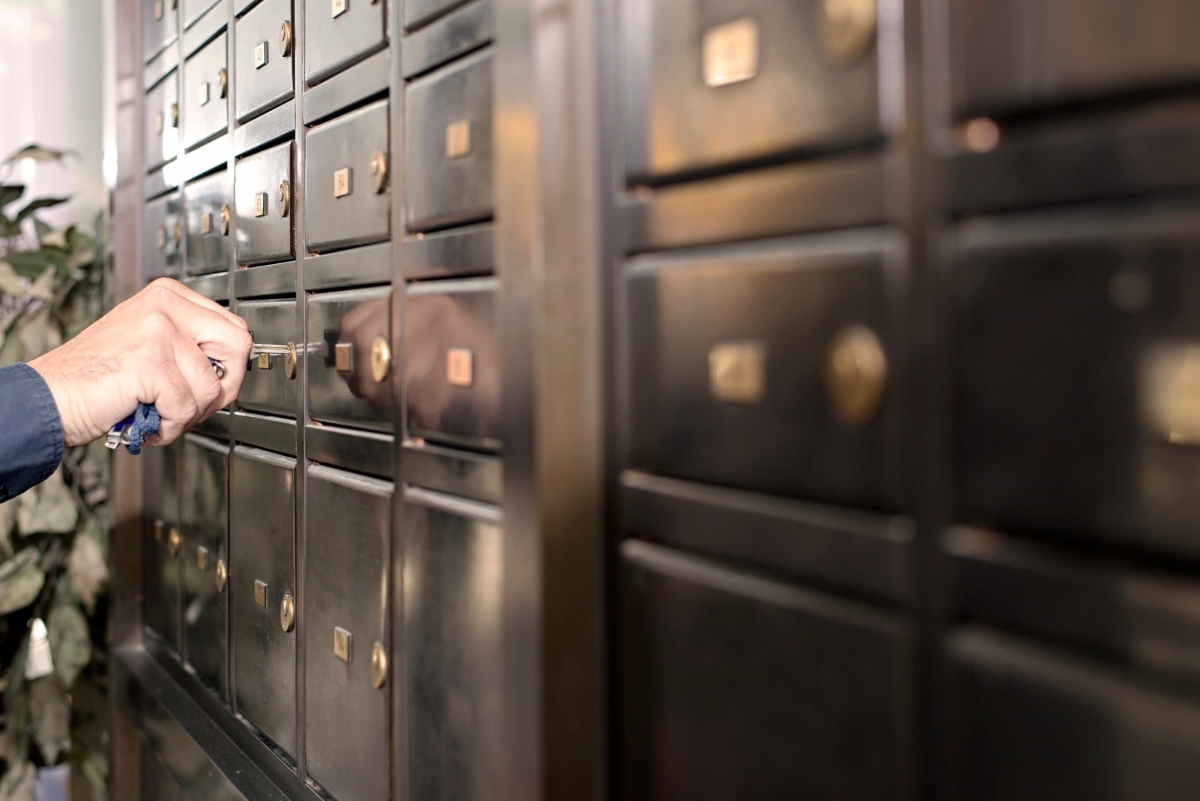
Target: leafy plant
x: 53, y: 538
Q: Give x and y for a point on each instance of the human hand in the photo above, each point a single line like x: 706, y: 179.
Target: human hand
x: 153, y: 348
x: 360, y: 327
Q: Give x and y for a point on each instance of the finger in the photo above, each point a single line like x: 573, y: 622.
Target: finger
x: 176, y: 404
x: 192, y: 296
x: 202, y: 381
x: 211, y: 331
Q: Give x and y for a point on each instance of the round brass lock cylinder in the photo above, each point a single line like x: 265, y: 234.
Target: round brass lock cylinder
x: 289, y: 361
x: 173, y: 542
x: 849, y: 28
x: 225, y: 219
x: 222, y: 575
x: 285, y: 38
x: 287, y: 612
x: 223, y: 81
x: 856, y: 374
x: 381, y: 359
x: 285, y: 198
x: 379, y: 666
x: 379, y: 171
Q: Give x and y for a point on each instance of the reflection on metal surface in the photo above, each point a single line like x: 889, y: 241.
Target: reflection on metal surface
x: 174, y: 541
x: 849, y: 28
x: 737, y: 371
x: 1170, y: 392
x: 856, y: 374
x: 341, y: 643
x: 342, y: 327
x: 379, y: 665
x: 980, y: 135
x: 287, y: 612
x: 731, y: 52
x: 222, y: 575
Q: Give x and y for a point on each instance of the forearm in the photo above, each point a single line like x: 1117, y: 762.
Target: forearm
x: 31, y: 437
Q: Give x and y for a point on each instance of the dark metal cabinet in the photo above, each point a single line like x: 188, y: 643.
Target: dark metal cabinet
x: 206, y: 93
x: 767, y: 366
x: 162, y: 236
x: 263, y: 205
x: 346, y: 602
x: 452, y: 366
x: 161, y: 130
x: 262, y: 591
x: 264, y: 58
x: 1031, y: 724
x: 1077, y: 340
x: 1016, y: 56
x: 272, y: 380
x: 346, y: 190
x: 162, y: 578
x: 160, y: 25
x: 448, y: 145
x: 708, y: 85
x: 735, y: 686
x: 339, y: 33
x: 350, y: 358
x: 208, y: 207
x: 205, y: 561
x: 452, y: 625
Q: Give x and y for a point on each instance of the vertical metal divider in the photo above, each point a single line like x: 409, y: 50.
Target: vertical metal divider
x: 299, y: 212
x: 230, y: 165
x: 394, y: 622
x: 176, y: 450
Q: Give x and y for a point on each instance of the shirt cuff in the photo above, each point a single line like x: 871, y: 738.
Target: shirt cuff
x: 31, y: 437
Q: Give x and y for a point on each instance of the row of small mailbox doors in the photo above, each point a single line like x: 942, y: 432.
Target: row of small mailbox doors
x: 347, y: 184
x: 225, y: 597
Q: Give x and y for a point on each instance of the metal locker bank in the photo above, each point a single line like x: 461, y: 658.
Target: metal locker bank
x: 667, y: 400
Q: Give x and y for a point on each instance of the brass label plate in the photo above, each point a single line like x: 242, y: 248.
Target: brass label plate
x: 260, y: 55
x: 341, y: 643
x: 343, y: 357
x: 737, y: 371
x: 458, y: 139
x: 260, y: 204
x: 731, y: 52
x: 204, y: 94
x: 264, y: 361
x: 158, y: 530
x: 160, y: 120
x: 339, y: 7
x: 206, y: 223
x: 1170, y: 391
x: 341, y: 182
x: 202, y: 557
x: 161, y: 238
x: 158, y: 10
x: 260, y: 593
x: 460, y: 367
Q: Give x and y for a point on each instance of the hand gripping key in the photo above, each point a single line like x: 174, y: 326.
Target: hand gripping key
x: 143, y: 423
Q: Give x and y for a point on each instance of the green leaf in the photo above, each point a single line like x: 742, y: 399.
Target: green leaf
x: 40, y: 203
x: 10, y: 282
x: 17, y: 784
x: 40, y: 228
x: 50, y: 713
x: 21, y: 588
x: 89, y: 571
x: 39, y: 153
x: 70, y: 642
x: 32, y: 264
x: 10, y: 193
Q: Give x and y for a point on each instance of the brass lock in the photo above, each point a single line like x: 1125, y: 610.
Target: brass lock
x: 158, y: 530
x: 285, y: 39
x: 223, y: 81
x: 174, y: 115
x: 379, y: 171
x: 849, y: 28
x: 381, y: 359
x: 224, y: 219
x: 222, y: 575
x: 856, y: 374
x: 285, y: 198
x: 177, y: 234
x: 379, y: 666
x: 289, y: 361
x: 173, y: 542
x: 287, y: 612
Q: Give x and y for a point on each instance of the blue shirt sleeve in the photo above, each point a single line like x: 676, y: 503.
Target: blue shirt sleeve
x: 31, y: 438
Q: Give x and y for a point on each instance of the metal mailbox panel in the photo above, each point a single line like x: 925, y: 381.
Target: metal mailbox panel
x: 453, y: 572
x: 162, y: 580
x: 1076, y: 408
x: 715, y: 84
x: 208, y: 206
x: 1010, y: 57
x: 1032, y: 724
x: 162, y: 235
x: 160, y: 25
x: 264, y: 58
x: 262, y: 570
x: 204, y: 510
x: 419, y: 12
x: 271, y: 381
x: 735, y: 367
x: 162, y: 121
x: 339, y: 33
x: 205, y: 93
x: 346, y: 603
x: 349, y: 358
x: 194, y: 9
x: 263, y: 200
x: 346, y: 180
x: 452, y: 364
x: 734, y: 686
x: 449, y: 145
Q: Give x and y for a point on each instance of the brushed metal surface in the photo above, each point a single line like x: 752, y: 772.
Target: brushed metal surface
x: 267, y: 431
x: 265, y: 279
x: 161, y: 251
x: 366, y: 452
x: 461, y: 31
x: 792, y: 298
x: 262, y: 547
x: 205, y: 27
x: 346, y: 586
x: 208, y: 250
x: 161, y: 574
x: 273, y: 322
x: 260, y: 88
x: 800, y: 99
x: 204, y: 513
x: 192, y: 9
x: 459, y: 251
x: 477, y: 476
x: 348, y: 397
x: 363, y: 214
x: 205, y: 111
x: 421, y: 12
x: 443, y: 190
x: 453, y: 583
x: 367, y: 79
x: 440, y: 316
x: 161, y: 144
x: 371, y: 264
x: 158, y: 29
x: 266, y: 128
x: 333, y: 43
x: 268, y: 237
